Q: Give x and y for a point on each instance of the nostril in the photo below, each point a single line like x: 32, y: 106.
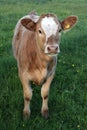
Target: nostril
x: 48, y: 48
x: 56, y: 48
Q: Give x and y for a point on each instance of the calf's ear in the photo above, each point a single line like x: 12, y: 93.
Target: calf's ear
x: 69, y: 22
x: 28, y: 23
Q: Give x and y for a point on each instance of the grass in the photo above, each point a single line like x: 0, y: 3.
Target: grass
x: 68, y: 94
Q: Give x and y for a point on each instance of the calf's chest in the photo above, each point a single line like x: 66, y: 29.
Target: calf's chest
x: 39, y: 76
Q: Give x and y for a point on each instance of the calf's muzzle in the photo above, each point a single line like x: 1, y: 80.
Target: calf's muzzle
x: 52, y: 49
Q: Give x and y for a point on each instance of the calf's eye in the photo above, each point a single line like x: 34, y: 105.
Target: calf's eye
x: 60, y: 30
x: 40, y: 32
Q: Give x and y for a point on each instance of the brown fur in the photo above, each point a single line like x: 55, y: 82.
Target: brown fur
x: 33, y: 64
x: 69, y: 21
x: 52, y: 39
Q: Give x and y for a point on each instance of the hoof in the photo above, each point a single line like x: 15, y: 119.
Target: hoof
x: 45, y: 114
x: 26, y: 115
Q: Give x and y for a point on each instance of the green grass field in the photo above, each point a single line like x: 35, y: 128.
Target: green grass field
x: 68, y: 94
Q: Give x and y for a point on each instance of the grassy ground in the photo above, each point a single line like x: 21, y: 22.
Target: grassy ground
x: 68, y: 94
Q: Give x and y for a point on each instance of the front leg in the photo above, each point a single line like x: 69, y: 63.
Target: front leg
x: 27, y: 94
x: 44, y: 94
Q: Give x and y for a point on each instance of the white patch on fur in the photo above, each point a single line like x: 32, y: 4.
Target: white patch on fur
x: 49, y: 26
x: 34, y: 18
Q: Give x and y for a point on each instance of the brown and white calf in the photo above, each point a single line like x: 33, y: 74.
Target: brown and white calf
x: 35, y: 46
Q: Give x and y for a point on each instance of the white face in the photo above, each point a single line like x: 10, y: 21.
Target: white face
x: 49, y: 26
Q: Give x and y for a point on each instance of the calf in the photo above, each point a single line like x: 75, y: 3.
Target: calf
x: 35, y: 46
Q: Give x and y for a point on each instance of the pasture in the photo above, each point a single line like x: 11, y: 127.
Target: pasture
x: 68, y: 93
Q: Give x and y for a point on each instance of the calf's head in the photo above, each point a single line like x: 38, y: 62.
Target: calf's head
x: 47, y: 30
